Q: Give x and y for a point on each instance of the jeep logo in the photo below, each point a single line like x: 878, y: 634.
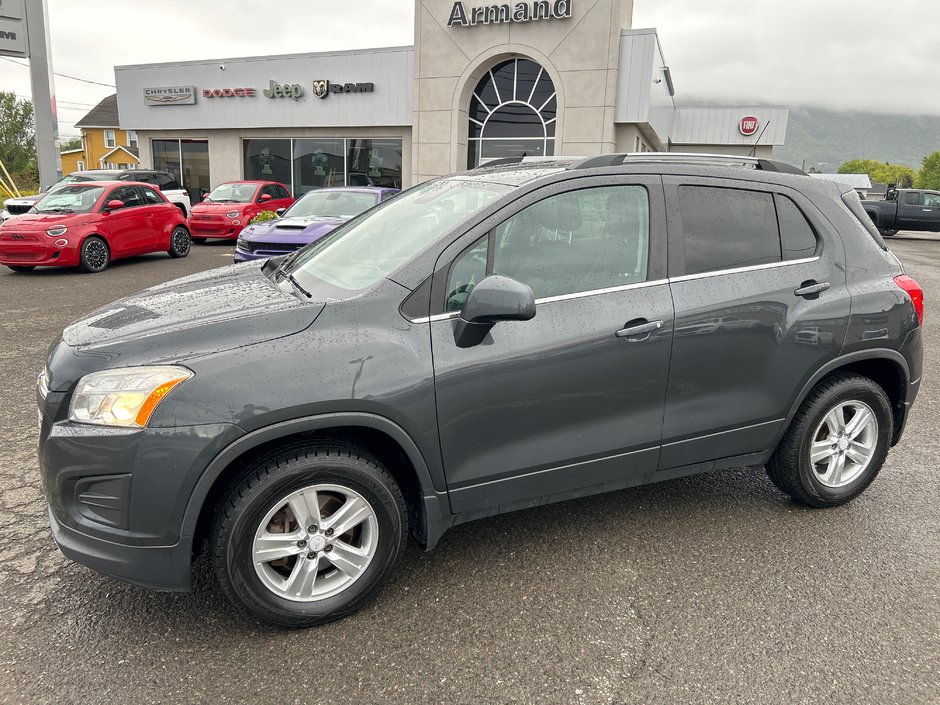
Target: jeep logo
x: 294, y: 91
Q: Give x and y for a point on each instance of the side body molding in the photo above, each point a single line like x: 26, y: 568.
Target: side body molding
x: 437, y: 514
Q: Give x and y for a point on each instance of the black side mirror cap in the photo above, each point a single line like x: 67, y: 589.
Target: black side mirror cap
x: 495, y: 298
x: 280, y: 212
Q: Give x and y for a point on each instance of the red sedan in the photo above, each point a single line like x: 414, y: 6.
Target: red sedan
x: 88, y: 224
x: 230, y: 206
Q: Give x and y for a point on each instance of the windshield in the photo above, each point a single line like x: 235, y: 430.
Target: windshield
x: 233, y: 193
x: 70, y: 199
x: 374, y: 246
x: 331, y: 204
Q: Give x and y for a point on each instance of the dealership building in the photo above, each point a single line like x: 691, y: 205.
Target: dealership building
x: 528, y: 78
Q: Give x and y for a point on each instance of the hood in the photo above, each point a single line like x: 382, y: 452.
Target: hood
x: 306, y: 229
x: 219, y: 208
x: 208, y: 312
x: 24, y: 201
x: 43, y: 221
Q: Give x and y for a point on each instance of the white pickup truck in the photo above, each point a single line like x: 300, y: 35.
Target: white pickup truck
x: 163, y: 180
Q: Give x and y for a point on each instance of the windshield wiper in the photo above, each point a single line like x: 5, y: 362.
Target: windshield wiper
x: 292, y: 280
x: 62, y: 209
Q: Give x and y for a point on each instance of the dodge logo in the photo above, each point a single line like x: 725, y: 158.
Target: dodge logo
x: 321, y: 88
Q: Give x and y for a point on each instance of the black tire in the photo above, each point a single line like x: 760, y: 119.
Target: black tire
x: 180, y: 243
x: 22, y: 267
x: 888, y: 232
x: 198, y: 240
x: 790, y: 468
x: 262, y: 486
x: 94, y: 256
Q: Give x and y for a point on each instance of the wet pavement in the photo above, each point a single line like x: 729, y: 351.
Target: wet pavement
x: 715, y: 588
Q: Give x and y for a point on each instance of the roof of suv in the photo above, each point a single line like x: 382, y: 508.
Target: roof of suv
x: 517, y: 172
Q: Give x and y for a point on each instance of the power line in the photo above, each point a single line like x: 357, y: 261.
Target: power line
x: 63, y: 75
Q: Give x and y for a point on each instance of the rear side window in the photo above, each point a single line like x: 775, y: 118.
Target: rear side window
x: 726, y: 228
x: 281, y: 192
x: 797, y: 237
x: 167, y: 182
x: 912, y: 198
x: 150, y: 196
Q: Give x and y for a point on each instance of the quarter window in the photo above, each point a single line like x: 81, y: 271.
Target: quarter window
x: 569, y: 243
x: 796, y: 234
x: 726, y: 228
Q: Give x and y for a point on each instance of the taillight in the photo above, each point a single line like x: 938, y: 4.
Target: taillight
x: 915, y: 292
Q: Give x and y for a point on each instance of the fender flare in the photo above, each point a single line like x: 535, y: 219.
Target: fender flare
x: 834, y: 364
x: 283, y: 429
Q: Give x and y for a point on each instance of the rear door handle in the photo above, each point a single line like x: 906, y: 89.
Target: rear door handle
x: 811, y: 288
x: 637, y: 328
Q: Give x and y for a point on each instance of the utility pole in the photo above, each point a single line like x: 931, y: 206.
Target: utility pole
x: 24, y: 32
x: 43, y: 89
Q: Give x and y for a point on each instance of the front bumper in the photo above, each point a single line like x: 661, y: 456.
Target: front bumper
x: 153, y: 567
x: 27, y: 248
x: 242, y: 256
x: 214, y: 226
x: 117, y: 497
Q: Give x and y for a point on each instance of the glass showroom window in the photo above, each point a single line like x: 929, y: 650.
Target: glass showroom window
x: 318, y: 163
x: 373, y: 163
x: 306, y: 164
x: 512, y: 113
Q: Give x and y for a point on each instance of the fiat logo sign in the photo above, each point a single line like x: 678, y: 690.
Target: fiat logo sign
x: 748, y: 125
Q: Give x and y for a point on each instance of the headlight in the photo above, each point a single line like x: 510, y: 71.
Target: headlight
x: 124, y: 397
x: 241, y: 244
x: 231, y: 214
x: 56, y: 231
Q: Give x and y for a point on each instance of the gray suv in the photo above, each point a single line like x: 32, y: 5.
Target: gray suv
x: 518, y: 334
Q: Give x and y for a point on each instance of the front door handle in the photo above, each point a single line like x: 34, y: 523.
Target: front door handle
x: 638, y: 329
x: 811, y: 288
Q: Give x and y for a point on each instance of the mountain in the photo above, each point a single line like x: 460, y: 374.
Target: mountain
x: 827, y: 138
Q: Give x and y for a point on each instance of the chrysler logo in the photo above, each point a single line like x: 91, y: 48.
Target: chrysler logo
x: 321, y: 88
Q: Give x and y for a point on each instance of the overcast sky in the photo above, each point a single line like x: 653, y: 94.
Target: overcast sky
x: 842, y: 54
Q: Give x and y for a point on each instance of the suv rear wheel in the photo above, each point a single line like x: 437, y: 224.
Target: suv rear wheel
x: 835, y: 444
x: 309, y: 534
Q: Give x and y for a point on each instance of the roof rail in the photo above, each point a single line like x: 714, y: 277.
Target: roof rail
x: 686, y: 158
x: 498, y: 162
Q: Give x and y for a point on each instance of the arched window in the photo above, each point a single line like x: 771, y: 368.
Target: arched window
x: 512, y: 113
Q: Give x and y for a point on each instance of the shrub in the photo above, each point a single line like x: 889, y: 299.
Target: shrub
x: 263, y: 216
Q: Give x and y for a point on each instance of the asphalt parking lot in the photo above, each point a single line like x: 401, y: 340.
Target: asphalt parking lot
x: 715, y: 588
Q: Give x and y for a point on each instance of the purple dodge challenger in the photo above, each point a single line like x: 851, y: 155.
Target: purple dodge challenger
x: 311, y: 217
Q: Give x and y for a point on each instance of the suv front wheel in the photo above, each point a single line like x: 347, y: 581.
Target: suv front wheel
x: 835, y: 444
x: 309, y: 534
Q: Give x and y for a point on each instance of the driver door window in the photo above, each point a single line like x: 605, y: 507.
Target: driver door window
x: 579, y: 241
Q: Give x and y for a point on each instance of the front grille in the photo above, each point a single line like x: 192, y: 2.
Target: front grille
x: 21, y: 256
x: 17, y: 209
x: 249, y: 246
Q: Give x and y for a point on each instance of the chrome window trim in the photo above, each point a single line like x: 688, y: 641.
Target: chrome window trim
x: 638, y: 285
x: 739, y: 270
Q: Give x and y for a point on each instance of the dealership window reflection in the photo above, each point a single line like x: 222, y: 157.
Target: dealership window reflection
x: 187, y: 160
x: 305, y: 164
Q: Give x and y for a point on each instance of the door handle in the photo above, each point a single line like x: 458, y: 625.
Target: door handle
x: 811, y: 288
x: 639, y: 327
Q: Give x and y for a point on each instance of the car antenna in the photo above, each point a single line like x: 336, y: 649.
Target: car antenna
x: 754, y: 148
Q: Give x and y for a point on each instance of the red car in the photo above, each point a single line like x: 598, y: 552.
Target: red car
x: 87, y: 224
x: 230, y: 206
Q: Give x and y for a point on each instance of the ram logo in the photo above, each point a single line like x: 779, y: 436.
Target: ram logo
x: 8, y: 35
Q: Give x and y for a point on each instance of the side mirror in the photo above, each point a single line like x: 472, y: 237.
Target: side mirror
x: 280, y: 212
x: 265, y: 197
x: 114, y: 204
x: 494, y: 299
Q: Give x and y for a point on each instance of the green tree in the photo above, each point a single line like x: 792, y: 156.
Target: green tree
x: 71, y: 143
x: 929, y: 174
x: 891, y: 174
x: 17, y: 134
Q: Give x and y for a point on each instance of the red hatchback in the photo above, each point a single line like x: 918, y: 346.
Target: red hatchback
x: 88, y: 224
x: 230, y: 206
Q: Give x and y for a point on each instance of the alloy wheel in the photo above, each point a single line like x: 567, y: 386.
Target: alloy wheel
x: 315, y: 542
x: 844, y: 444
x: 181, y: 242
x: 96, y: 254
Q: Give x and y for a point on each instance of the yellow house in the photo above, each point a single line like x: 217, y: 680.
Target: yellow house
x: 104, y: 145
